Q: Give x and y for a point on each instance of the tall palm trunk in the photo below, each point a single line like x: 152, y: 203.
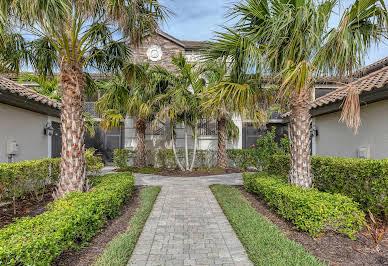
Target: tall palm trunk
x: 186, y: 146
x: 172, y: 125
x: 221, y: 152
x: 300, y: 118
x: 141, y: 127
x: 73, y: 169
x: 195, y: 146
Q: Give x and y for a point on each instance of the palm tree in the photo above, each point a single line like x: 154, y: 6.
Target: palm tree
x: 226, y: 98
x: 78, y: 33
x: 47, y: 86
x: 125, y: 96
x: 182, y: 103
x: 13, y: 50
x: 298, y: 46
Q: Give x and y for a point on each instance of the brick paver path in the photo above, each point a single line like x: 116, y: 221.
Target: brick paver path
x: 187, y: 226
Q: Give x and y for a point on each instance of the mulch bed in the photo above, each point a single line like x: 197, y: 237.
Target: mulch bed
x: 89, y: 254
x: 333, y: 248
x: 197, y: 173
x: 27, y: 206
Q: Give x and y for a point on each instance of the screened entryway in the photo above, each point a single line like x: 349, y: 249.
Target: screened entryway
x: 105, y: 142
x: 250, y: 133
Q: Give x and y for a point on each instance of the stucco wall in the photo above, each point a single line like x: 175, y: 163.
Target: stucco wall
x: 26, y: 128
x: 335, y: 139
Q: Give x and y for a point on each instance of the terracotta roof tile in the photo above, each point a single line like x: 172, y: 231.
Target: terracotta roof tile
x: 374, y: 80
x: 193, y: 44
x: 20, y: 90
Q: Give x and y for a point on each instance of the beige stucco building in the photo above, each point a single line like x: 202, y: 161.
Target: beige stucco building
x: 333, y: 138
x: 25, y: 117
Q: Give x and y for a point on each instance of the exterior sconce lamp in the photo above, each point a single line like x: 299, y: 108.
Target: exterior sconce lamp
x: 314, y: 131
x: 48, y: 129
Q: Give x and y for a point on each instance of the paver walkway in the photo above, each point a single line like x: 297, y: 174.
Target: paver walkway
x: 187, y: 226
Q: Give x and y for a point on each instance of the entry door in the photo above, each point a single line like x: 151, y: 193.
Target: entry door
x: 56, y: 140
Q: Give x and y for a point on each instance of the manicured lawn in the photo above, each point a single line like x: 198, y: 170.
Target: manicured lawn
x: 120, y: 249
x: 263, y: 241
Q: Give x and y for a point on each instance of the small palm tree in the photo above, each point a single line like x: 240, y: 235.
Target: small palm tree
x: 47, y: 86
x: 182, y: 103
x: 13, y: 49
x: 135, y: 96
x: 297, y: 46
x: 76, y: 36
x: 225, y: 98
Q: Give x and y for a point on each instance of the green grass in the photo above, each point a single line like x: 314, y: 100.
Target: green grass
x: 145, y: 170
x: 263, y: 241
x: 119, y: 250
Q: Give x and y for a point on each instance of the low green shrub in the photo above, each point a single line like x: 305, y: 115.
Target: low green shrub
x: 164, y: 158
x: 239, y: 158
x: 364, y: 180
x: 34, y: 176
x: 267, y: 146
x: 120, y: 249
x: 264, y: 242
x: 309, y: 210
x: 68, y: 222
x: 31, y: 176
x: 122, y: 156
x: 94, y: 164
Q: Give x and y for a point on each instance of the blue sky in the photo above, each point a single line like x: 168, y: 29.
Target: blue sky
x: 196, y: 20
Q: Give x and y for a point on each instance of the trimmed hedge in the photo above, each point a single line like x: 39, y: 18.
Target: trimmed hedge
x: 265, y: 243
x: 364, y: 180
x: 120, y: 249
x: 309, y: 210
x: 33, y: 176
x: 164, y: 158
x: 68, y: 222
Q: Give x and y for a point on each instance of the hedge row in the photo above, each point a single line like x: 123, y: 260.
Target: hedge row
x: 265, y: 243
x: 164, y: 158
x: 68, y: 222
x: 309, y: 210
x: 364, y: 180
x: 33, y: 176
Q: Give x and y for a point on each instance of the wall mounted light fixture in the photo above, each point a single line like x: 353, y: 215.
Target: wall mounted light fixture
x: 48, y: 129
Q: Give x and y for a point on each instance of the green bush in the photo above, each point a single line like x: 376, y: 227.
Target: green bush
x: 264, y: 242
x: 239, y: 158
x: 94, y: 164
x: 309, y: 210
x: 121, y: 157
x: 120, y: 249
x: 266, y: 146
x: 68, y: 222
x: 34, y: 176
x: 364, y: 180
x: 165, y: 159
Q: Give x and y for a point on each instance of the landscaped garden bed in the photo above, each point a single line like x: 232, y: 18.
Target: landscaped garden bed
x: 176, y: 172
x: 27, y: 187
x: 69, y: 222
x: 333, y: 248
x: 120, y: 249
x: 264, y: 242
x: 88, y: 255
x: 269, y: 239
x: 24, y: 206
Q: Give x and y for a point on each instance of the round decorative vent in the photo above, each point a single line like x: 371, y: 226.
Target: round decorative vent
x: 154, y: 53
